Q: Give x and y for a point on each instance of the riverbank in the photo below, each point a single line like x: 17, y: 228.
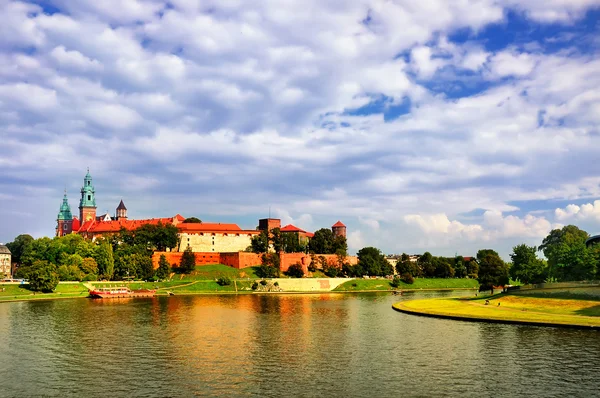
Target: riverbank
x: 568, y: 310
x: 200, y: 284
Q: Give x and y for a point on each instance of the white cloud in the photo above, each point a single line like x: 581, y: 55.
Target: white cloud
x: 587, y: 211
x: 74, y: 59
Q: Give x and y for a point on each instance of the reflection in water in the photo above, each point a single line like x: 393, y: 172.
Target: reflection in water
x: 281, y: 345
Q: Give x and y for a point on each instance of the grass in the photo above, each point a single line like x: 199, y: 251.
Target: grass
x: 214, y: 271
x: 21, y: 292
x: 420, y: 283
x: 512, y: 308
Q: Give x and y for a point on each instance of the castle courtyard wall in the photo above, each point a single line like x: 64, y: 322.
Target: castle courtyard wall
x: 215, y: 242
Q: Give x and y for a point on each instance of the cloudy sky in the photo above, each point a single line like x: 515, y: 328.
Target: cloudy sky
x: 434, y: 125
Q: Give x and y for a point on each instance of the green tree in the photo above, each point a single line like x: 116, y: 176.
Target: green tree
x: 188, y: 261
x: 17, y: 247
x: 526, y: 266
x: 269, y: 267
x: 295, y: 271
x: 443, y: 268
x: 277, y: 240
x: 322, y: 242
x: 425, y: 263
x: 339, y: 244
x: 42, y: 276
x: 69, y: 273
x: 404, y: 265
x: 472, y: 268
x: 192, y: 220
x: 373, y: 262
x: 260, y: 242
x: 568, y: 257
x: 460, y: 270
x: 164, y: 269
x: 492, y: 270
x: 104, y: 260
x: 89, y: 266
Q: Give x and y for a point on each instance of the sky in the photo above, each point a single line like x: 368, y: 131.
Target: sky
x: 423, y: 125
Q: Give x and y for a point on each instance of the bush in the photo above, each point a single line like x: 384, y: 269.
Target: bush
x: 408, y: 278
x: 295, y: 271
x: 254, y: 286
x: 276, y: 283
x: 397, y: 281
x: 263, y: 282
x: 354, y: 285
x: 224, y: 281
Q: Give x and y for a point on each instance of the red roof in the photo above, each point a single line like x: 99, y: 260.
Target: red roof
x: 94, y: 226
x: 338, y: 224
x: 309, y: 234
x: 179, y: 217
x: 468, y: 258
x: 205, y: 226
x: 291, y: 228
x: 76, y: 224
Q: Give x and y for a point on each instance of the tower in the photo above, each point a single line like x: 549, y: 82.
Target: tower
x: 65, y: 218
x: 121, y: 211
x: 338, y: 229
x: 87, y: 203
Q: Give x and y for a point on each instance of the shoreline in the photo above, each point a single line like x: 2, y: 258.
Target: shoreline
x: 58, y: 296
x: 516, y: 311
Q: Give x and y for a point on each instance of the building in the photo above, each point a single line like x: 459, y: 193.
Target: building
x: 5, y: 262
x: 200, y: 237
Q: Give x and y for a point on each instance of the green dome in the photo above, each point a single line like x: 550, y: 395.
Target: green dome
x: 65, y: 210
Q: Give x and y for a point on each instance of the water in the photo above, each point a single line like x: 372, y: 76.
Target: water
x: 350, y: 345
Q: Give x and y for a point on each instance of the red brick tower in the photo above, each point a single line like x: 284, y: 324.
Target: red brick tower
x: 338, y: 229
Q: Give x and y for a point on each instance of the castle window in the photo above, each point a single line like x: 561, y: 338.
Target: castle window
x: 65, y: 227
x: 224, y: 234
x: 188, y: 239
x: 213, y: 234
x: 201, y: 233
x: 89, y: 182
x: 237, y: 234
x: 213, y: 242
x: 89, y: 197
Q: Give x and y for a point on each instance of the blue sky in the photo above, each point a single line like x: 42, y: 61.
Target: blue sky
x: 422, y: 125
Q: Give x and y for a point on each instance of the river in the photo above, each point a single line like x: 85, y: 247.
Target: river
x: 330, y: 345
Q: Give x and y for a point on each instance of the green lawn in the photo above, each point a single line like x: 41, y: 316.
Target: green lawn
x: 420, y: 283
x: 214, y: 271
x: 20, y: 292
x: 510, y: 308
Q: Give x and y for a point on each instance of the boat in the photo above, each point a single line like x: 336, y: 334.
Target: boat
x: 120, y: 292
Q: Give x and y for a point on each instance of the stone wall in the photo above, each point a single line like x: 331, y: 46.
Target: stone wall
x: 288, y: 259
x: 215, y: 242
x: 5, y: 265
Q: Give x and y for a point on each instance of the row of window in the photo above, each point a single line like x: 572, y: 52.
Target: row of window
x: 213, y: 234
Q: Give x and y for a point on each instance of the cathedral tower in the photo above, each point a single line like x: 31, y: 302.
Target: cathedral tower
x: 121, y: 211
x: 338, y: 229
x: 65, y: 218
x: 87, y: 203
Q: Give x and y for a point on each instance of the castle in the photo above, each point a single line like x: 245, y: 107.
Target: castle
x: 200, y: 237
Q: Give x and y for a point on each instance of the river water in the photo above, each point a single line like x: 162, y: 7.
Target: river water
x: 330, y: 345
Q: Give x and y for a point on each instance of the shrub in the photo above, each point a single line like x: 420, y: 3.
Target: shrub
x: 263, y: 282
x: 254, y: 286
x: 295, y: 271
x: 397, y: 280
x: 224, y: 281
x: 408, y: 278
x: 276, y: 283
x: 354, y: 285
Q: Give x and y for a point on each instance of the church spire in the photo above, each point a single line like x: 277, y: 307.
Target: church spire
x: 64, y: 219
x: 87, y: 203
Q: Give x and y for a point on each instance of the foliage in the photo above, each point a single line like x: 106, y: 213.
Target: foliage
x: 269, y: 267
x: 568, y: 257
x: 472, y: 268
x: 260, y: 242
x: 17, y: 247
x: 526, y: 266
x: 42, y: 276
x: 312, y: 267
x: 295, y: 271
x: 192, y: 220
x: 443, y: 268
x: 254, y: 286
x: 69, y: 273
x: 223, y: 281
x: 492, y: 270
x: 404, y: 265
x: 325, y: 242
x: 105, y: 260
x: 460, y: 270
x: 408, y: 278
x: 396, y: 282
x: 188, y: 261
x: 263, y: 282
x: 291, y: 243
x: 373, y: 262
x: 164, y: 269
x: 156, y: 237
x: 425, y: 263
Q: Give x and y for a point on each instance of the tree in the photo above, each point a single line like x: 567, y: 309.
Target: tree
x: 373, y: 262
x: 269, y: 267
x: 492, y: 270
x: 42, y: 276
x: 322, y: 242
x: 188, y: 261
x: 472, y: 268
x: 260, y: 242
x: 17, y: 247
x: 89, y: 266
x: 339, y: 244
x: 164, y: 269
x: 192, y: 220
x: 277, y: 240
x: 568, y: 257
x: 404, y: 265
x: 425, y: 263
x: 69, y: 273
x: 460, y: 270
x: 295, y: 271
x: 443, y: 268
x: 105, y: 260
x: 526, y: 266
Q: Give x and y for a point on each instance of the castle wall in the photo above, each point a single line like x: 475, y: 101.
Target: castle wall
x: 215, y: 241
x: 5, y: 266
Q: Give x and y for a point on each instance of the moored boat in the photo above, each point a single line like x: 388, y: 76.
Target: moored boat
x: 120, y: 292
